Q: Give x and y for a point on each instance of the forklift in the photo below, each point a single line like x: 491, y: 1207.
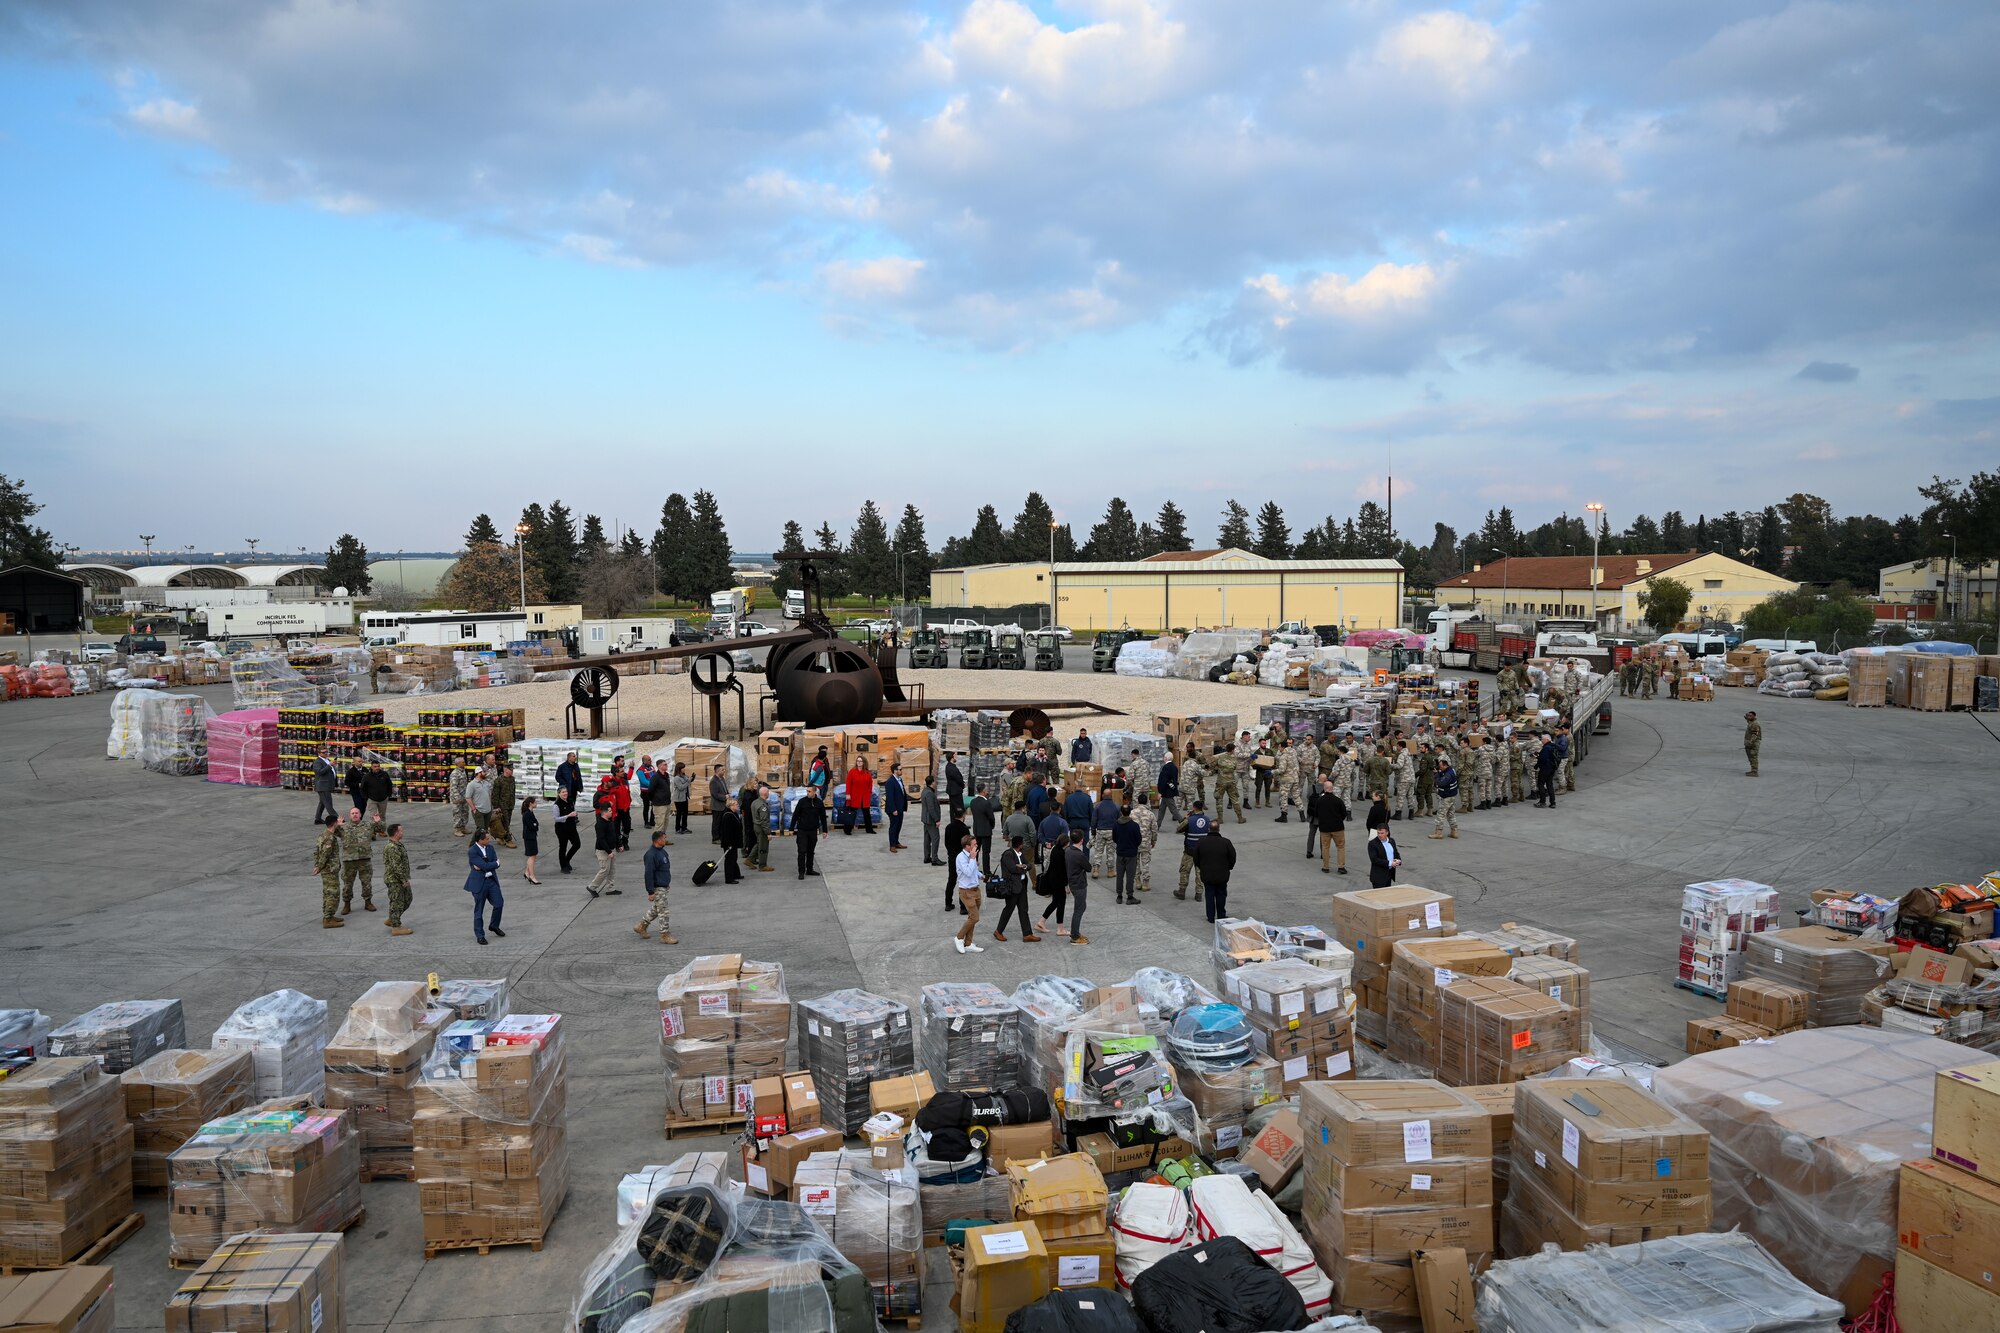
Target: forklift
x: 1048, y: 651
x: 1009, y: 653
x: 975, y: 650
x: 927, y: 649
x: 1104, y: 648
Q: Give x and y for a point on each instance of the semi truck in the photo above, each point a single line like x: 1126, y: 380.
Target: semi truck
x: 1488, y: 646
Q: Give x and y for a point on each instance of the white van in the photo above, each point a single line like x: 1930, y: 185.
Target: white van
x: 1783, y: 645
x: 1698, y: 645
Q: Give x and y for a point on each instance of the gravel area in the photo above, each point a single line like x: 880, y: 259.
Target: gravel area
x: 668, y: 704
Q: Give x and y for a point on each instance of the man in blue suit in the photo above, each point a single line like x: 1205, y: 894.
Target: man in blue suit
x: 483, y: 883
x: 895, y: 804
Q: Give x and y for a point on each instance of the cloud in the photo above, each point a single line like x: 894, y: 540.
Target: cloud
x: 1829, y: 372
x: 1652, y: 187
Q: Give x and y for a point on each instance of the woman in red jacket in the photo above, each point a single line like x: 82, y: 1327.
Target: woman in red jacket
x: 618, y: 786
x: 860, y: 798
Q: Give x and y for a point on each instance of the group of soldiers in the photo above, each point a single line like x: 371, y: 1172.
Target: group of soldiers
x: 1640, y: 678
x: 345, y: 855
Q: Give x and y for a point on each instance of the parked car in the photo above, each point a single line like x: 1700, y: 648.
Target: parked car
x: 1062, y: 632
x: 140, y: 643
x: 99, y: 652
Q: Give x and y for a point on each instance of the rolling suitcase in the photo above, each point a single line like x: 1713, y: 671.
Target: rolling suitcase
x: 705, y: 872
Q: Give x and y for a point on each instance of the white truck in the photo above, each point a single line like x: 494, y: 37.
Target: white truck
x: 795, y: 604
x: 1441, y: 622
x: 261, y: 620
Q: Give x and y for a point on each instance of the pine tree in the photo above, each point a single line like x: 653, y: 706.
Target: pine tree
x: 21, y: 542
x: 1444, y: 553
x: 709, y: 566
x: 794, y: 539
x: 347, y: 565
x: 1644, y: 537
x: 630, y: 545
x: 915, y: 548
x: 594, y: 542
x: 1673, y: 531
x: 1149, y: 540
x: 1235, y: 531
x: 1172, y: 525
x: 482, y: 530
x: 1350, y: 540
x: 834, y: 579
x: 556, y: 554
x: 1311, y: 545
x: 988, y: 543
x: 1371, y: 530
x: 1028, y: 539
x: 670, y: 548
x: 1701, y: 532
x: 1274, y: 535
x: 871, y: 563
x: 1116, y: 535
x: 1770, y: 540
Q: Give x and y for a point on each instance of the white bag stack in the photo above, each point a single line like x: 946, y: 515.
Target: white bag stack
x: 285, y: 1032
x: 1150, y: 1223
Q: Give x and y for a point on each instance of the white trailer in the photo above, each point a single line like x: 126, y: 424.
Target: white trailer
x: 440, y: 628
x: 596, y: 638
x: 272, y: 618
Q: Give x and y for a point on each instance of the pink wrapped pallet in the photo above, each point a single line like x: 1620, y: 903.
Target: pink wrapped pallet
x: 243, y: 747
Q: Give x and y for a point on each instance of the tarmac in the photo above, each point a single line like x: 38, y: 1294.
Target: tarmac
x: 123, y: 884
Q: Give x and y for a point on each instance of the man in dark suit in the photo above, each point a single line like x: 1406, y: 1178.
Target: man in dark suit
x: 807, y: 814
x: 569, y: 776
x: 895, y: 804
x: 1214, y: 858
x: 482, y: 881
x: 730, y: 825
x: 982, y: 812
x: 955, y: 834
x: 1383, y: 858
x: 933, y: 816
x: 954, y: 794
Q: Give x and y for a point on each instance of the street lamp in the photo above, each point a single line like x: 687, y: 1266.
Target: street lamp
x: 1504, y: 573
x: 1952, y: 559
x: 521, y: 531
x: 147, y: 538
x: 252, y: 541
x: 1596, y: 528
x: 1052, y: 573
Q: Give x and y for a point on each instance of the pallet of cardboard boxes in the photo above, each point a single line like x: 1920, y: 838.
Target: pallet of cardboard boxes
x: 276, y: 1281
x: 169, y: 1097
x: 1370, y: 922
x: 725, y: 1021
x: 1948, y: 1209
x: 65, y: 1162
x: 373, y: 1065
x: 286, y: 1164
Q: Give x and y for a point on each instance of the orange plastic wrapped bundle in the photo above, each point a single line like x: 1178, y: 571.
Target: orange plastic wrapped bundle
x: 48, y: 680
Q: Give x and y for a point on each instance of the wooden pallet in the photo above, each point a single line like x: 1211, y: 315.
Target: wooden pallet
x: 369, y: 1173
x: 359, y: 1214
x: 120, y: 1232
x: 1699, y: 989
x: 433, y: 1248
x: 681, y: 1129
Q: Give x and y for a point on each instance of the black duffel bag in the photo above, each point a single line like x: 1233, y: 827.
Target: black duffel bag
x: 950, y: 1117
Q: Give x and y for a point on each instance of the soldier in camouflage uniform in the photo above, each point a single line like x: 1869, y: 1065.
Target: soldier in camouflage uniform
x: 503, y: 806
x: 1051, y: 749
x: 1567, y: 773
x: 1194, y: 779
x: 326, y: 864
x: 1147, y: 816
x: 1468, y: 776
x: 1222, y: 764
x: 1517, y: 771
x: 1291, y: 760
x: 1403, y: 800
x: 1342, y: 771
x: 460, y: 776
x: 1242, y: 753
x: 1140, y: 779
x: 1381, y: 769
x: 357, y: 861
x: 1013, y: 789
x: 396, y: 874
x: 1327, y: 757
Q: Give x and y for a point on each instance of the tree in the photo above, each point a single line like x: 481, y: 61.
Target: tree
x: 1115, y: 536
x: 1444, y: 553
x: 482, y: 530
x: 1969, y: 511
x: 871, y: 561
x: 1028, y: 539
x: 794, y: 539
x: 709, y: 567
x: 630, y: 544
x: 1274, y: 535
x: 1172, y: 526
x: 670, y: 548
x: 556, y: 553
x: 346, y: 565
x: 1701, y: 533
x: 1825, y: 618
x: 614, y: 582
x: 988, y: 544
x: 1644, y: 536
x: 833, y: 578
x: 1673, y: 531
x: 1664, y: 602
x: 1371, y: 530
x: 394, y: 597
x: 1235, y: 531
x: 1770, y: 540
x: 915, y: 548
x: 486, y: 578
x: 1149, y: 540
x: 594, y: 542
x: 21, y: 542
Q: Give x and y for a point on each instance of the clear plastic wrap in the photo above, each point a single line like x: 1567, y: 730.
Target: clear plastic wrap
x: 285, y: 1032
x: 24, y: 1034
x: 536, y: 761
x: 474, y: 999
x: 243, y: 747
x: 849, y: 1039
x: 372, y: 1067
x: 701, y: 759
x: 173, y: 733
x: 875, y: 1218
x: 65, y: 1160
x: 1112, y: 1065
x: 265, y: 1282
x: 725, y: 1021
x: 127, y: 707
x: 1559, y: 980
x: 1706, y: 1283
x: 1808, y: 1132
x: 1145, y: 657
x: 279, y: 1165
x: 121, y: 1033
x: 268, y: 680
x: 170, y: 1096
x: 971, y: 1036
x: 1835, y: 968
x: 492, y: 1159
x: 1048, y: 1004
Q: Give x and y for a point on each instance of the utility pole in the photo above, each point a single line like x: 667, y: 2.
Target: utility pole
x: 147, y: 538
x: 1052, y: 573
x: 521, y: 551
x: 252, y: 543
x: 1596, y: 527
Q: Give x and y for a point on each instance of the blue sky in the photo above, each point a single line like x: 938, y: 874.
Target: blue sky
x: 286, y: 270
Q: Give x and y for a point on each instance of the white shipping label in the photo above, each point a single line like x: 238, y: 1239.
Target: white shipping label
x: 819, y: 1200
x: 1443, y: 976
x: 1759, y: 1099
x: 715, y: 1091
x: 1416, y: 1140
x: 1541, y: 1158
x: 1228, y: 1136
x: 318, y: 1312
x: 989, y: 1036
x: 1420, y: 1182
x: 1263, y: 1000
x: 1432, y: 917
x: 1076, y: 1270
x: 1777, y: 955
x: 1292, y: 1002
x: 1571, y: 1141
x: 759, y: 1178
x: 671, y: 1023
x: 1326, y: 999
x: 812, y: 1027
x: 1297, y: 1067
x: 713, y: 1006
x: 1002, y: 1242
x: 1339, y: 1064
x: 743, y: 1097
x: 1555, y: 992
x: 1416, y: 923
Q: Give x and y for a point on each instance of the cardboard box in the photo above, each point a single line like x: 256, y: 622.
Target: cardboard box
x: 62, y: 1300
x: 1394, y: 1121
x: 801, y: 1102
x: 1716, y: 1034
x: 1939, y: 969
x: 1063, y: 1196
x: 1076, y: 1262
x: 1768, y: 1004
x: 1277, y: 1151
x: 1445, y: 1291
x: 1006, y: 1268
x: 1965, y: 1119
x: 275, y: 1283
x: 1113, y: 1159
x: 1492, y: 1030
x: 782, y: 1156
x: 1930, y: 1300
x: 1370, y: 921
x: 1393, y: 1234
x: 1950, y: 1219
x: 767, y: 1107
x: 905, y: 1096
x: 1019, y: 1143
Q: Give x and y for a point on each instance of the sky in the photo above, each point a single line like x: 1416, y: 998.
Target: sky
x: 292, y: 268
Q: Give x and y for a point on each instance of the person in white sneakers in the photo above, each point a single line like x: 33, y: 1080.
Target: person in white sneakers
x: 970, y: 891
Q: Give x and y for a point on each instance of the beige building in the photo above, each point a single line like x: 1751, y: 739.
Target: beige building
x: 1186, y: 589
x: 1922, y: 583
x: 1527, y: 588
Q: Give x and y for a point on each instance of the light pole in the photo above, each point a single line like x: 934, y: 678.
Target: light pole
x: 147, y: 538
x: 521, y: 551
x: 252, y: 543
x: 1503, y: 578
x: 1596, y: 528
x: 1052, y: 573
x: 1950, y: 560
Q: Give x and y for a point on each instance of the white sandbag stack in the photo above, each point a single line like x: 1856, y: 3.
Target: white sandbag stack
x: 1224, y: 1205
x: 1145, y: 657
x: 1149, y: 1223
x: 1786, y: 676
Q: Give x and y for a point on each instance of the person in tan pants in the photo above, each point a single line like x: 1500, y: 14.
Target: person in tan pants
x: 971, y: 889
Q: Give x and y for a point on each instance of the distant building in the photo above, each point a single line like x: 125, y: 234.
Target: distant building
x: 1565, y: 587
x: 1185, y: 588
x: 41, y: 601
x: 419, y: 576
x: 1921, y: 583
